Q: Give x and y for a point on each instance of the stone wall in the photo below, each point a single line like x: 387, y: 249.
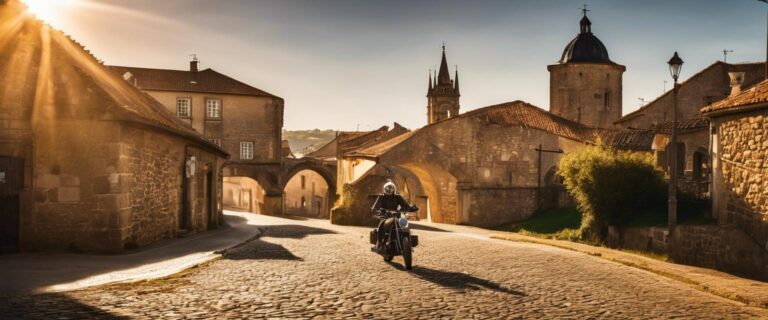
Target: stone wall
x: 741, y: 185
x: 588, y: 93
x: 721, y: 247
x: 103, y: 187
x: 472, y: 172
x: 653, y: 239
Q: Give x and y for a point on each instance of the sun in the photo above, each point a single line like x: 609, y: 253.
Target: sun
x: 50, y: 11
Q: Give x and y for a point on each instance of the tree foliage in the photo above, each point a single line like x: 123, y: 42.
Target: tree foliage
x: 611, y: 187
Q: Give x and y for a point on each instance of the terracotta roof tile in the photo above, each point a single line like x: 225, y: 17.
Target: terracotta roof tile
x: 206, y: 80
x: 754, y: 95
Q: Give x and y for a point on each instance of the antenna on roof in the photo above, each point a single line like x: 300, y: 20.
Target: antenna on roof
x: 665, y: 87
x: 642, y: 101
x: 725, y: 54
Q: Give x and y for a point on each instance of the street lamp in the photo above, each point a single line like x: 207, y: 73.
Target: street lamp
x: 675, y: 64
x: 766, y: 45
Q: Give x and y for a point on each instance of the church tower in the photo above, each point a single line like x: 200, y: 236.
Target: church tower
x: 442, y: 94
x: 585, y: 85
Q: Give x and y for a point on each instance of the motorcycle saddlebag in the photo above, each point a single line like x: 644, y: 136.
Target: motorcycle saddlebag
x: 373, y: 236
x: 414, y: 240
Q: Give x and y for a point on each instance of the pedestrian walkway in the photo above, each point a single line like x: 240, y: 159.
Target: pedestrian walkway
x: 54, y: 272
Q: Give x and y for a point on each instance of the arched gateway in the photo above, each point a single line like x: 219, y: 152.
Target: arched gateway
x: 273, y: 179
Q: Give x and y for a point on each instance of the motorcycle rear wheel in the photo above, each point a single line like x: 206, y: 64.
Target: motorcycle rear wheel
x: 407, y: 257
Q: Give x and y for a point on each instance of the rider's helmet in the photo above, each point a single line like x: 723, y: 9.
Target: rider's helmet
x: 390, y: 188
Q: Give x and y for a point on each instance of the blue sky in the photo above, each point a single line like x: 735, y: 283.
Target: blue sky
x: 349, y: 64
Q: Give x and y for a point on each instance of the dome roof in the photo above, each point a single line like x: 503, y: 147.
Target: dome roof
x: 585, y: 47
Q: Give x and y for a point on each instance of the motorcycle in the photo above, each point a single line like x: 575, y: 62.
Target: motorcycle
x: 398, y: 240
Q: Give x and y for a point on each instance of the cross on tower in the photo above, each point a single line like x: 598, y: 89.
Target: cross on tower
x: 584, y: 10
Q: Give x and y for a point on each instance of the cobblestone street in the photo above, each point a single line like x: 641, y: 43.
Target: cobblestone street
x: 304, y: 268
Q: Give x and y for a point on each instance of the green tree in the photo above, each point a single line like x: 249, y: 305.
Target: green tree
x: 611, y: 187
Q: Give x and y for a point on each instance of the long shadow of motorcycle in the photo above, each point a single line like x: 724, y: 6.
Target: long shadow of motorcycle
x: 457, y: 280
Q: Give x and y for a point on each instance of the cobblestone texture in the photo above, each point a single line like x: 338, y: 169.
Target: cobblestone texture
x: 311, y: 269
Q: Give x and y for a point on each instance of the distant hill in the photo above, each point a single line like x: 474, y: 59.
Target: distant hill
x: 306, y: 141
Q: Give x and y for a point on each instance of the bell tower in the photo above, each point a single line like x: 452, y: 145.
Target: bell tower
x: 442, y: 94
x: 585, y: 85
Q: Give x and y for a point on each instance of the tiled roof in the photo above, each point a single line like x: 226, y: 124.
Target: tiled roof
x: 207, y: 80
x: 79, y: 86
x: 754, y: 95
x: 683, y: 126
x: 375, y: 150
x: 519, y: 113
x: 639, y: 140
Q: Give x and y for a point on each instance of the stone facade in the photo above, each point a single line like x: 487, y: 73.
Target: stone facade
x: 95, y: 165
x: 741, y: 185
x: 244, y: 115
x: 589, y: 93
x: 479, y: 168
x: 307, y: 194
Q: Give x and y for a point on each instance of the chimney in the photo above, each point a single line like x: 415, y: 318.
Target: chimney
x: 193, y: 64
x: 737, y: 79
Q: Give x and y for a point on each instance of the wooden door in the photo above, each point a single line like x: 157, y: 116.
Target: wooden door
x: 11, y: 183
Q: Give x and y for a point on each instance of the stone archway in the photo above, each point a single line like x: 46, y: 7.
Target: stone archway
x: 326, y: 170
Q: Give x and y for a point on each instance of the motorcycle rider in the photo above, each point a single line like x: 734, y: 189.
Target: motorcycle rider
x: 390, y: 200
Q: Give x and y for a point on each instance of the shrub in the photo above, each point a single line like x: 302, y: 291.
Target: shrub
x: 611, y: 187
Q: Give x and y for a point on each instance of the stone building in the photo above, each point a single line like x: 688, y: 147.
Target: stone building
x: 88, y: 162
x: 586, y: 86
x: 482, y: 167
x: 306, y: 194
x: 245, y: 121
x: 442, y: 94
x: 740, y: 171
x: 709, y: 85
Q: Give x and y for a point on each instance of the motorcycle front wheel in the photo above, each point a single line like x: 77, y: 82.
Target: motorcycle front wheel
x: 388, y: 258
x: 407, y: 258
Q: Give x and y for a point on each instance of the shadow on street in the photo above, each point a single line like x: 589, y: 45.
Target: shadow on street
x: 422, y: 227
x: 50, y: 306
x: 293, y: 231
x: 457, y: 280
x: 261, y: 250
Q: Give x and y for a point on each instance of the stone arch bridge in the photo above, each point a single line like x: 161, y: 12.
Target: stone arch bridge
x: 273, y: 178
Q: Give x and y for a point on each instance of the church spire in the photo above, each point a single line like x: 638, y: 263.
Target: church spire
x: 443, y: 76
x: 429, y: 86
x: 456, y: 81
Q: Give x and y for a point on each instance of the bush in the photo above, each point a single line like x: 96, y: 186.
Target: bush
x: 611, y: 187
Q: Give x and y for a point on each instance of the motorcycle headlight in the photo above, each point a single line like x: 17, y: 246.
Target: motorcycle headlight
x: 403, y: 222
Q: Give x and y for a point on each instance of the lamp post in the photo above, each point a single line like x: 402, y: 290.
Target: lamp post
x: 766, y: 44
x: 675, y: 64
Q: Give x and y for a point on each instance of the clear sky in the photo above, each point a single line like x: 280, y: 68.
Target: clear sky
x: 349, y: 64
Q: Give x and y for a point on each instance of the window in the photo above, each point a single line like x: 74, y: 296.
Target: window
x: 183, y: 107
x: 606, y: 100
x: 246, y: 150
x: 303, y: 182
x: 303, y: 202
x: 216, y: 141
x: 213, y: 108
